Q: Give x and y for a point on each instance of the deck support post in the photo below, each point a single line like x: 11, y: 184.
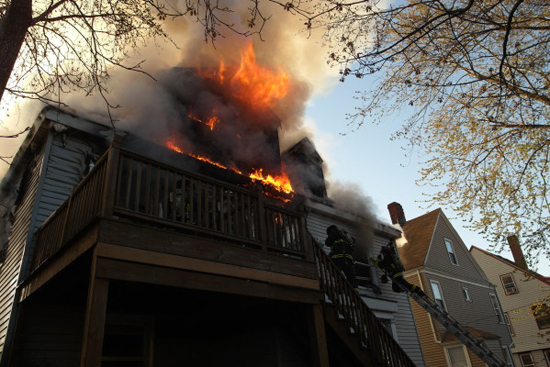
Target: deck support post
x: 317, y: 336
x: 94, y: 326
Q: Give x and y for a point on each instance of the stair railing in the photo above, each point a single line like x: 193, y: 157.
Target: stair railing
x: 360, y: 319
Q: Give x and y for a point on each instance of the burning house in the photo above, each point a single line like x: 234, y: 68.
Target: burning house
x: 196, y: 243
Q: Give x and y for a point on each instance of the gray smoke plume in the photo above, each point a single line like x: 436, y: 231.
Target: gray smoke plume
x: 159, y: 107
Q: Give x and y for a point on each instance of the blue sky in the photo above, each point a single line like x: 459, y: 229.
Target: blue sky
x: 380, y: 166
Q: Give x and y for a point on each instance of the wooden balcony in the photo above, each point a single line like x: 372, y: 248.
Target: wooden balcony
x: 130, y: 206
x: 134, y: 220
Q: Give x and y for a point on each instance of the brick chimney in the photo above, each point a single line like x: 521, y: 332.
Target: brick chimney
x: 519, y: 259
x: 397, y: 214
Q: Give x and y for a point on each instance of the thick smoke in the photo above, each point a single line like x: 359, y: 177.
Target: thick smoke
x: 158, y: 107
x: 283, y: 46
x: 349, y: 197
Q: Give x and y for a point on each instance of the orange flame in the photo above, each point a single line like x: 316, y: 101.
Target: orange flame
x: 211, y: 120
x: 281, y: 183
x: 259, y: 87
x: 256, y: 84
x: 171, y: 145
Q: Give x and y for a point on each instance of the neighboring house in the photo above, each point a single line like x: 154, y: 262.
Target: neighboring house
x: 524, y: 296
x: 436, y: 259
x: 123, y: 252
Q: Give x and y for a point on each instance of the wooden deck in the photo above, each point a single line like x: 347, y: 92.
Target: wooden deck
x: 142, y: 222
x: 141, y: 213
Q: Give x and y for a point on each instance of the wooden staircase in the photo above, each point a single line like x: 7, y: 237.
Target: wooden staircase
x: 353, y: 321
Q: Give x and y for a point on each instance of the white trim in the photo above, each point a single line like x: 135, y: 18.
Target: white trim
x: 467, y: 295
x: 429, y: 250
x: 490, y: 286
x: 451, y: 244
x: 501, y: 312
x: 440, y: 289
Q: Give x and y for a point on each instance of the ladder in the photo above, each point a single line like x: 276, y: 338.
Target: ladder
x: 454, y: 327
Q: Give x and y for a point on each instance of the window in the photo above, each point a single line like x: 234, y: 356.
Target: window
x: 509, y: 284
x: 509, y: 323
x: 541, y: 313
x: 457, y: 357
x: 466, y: 294
x: 526, y: 360
x: 450, y: 250
x: 438, y: 295
x: 496, y: 307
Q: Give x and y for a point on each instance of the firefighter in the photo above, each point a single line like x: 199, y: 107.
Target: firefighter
x: 387, y: 261
x: 341, y: 253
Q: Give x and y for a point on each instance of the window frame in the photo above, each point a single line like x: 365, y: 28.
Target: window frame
x: 449, y: 246
x: 546, y: 353
x: 464, y: 351
x: 497, y: 307
x: 467, y: 295
x: 532, y: 364
x: 509, y: 323
x: 546, y: 319
x: 440, y: 291
x: 506, y: 292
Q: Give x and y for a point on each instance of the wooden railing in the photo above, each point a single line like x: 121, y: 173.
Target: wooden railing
x: 126, y: 184
x: 381, y: 346
x: 82, y: 206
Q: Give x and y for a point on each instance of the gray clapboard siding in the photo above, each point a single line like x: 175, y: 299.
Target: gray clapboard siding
x: 438, y: 257
x: 10, y: 269
x: 452, y: 278
x: 65, y: 169
x: 52, y: 333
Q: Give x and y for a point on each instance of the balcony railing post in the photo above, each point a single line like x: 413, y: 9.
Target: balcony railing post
x: 262, y: 215
x: 307, y: 243
x: 65, y: 223
x: 109, y: 187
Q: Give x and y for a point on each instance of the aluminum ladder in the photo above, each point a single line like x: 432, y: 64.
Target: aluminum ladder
x: 454, y: 327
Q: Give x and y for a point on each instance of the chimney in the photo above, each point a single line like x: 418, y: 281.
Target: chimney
x: 397, y: 214
x: 519, y: 259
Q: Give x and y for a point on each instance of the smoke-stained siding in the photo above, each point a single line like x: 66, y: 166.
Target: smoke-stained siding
x: 54, y: 172
x: 401, y: 316
x: 64, y: 169
x: 10, y: 269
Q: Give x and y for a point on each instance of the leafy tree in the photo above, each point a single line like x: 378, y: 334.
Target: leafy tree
x: 474, y: 74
